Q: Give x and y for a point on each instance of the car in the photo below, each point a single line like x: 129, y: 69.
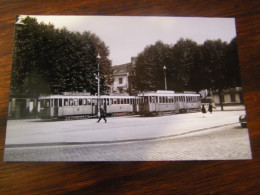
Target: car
x: 243, y: 121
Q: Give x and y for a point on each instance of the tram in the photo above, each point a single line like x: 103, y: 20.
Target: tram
x: 82, y: 106
x: 145, y: 104
x: 163, y: 102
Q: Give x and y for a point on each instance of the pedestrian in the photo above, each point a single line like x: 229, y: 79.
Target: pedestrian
x: 102, y: 114
x: 210, y: 108
x: 203, y: 110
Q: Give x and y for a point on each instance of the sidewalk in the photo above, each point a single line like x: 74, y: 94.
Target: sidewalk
x: 38, y: 132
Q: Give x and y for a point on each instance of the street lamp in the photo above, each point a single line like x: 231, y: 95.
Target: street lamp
x: 98, y: 78
x: 165, y: 81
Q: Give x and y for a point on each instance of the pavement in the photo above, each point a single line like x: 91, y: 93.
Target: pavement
x: 38, y: 132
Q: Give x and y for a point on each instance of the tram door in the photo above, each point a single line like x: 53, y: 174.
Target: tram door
x: 55, y: 108
x: 134, y: 104
x: 104, y: 103
x: 144, y: 105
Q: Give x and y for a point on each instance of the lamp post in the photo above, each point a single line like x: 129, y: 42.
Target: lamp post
x: 165, y: 81
x: 98, y: 78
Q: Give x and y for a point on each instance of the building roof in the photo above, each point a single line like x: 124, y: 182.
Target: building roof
x: 121, y: 69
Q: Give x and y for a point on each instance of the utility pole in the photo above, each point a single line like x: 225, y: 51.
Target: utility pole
x: 165, y: 81
x: 98, y: 78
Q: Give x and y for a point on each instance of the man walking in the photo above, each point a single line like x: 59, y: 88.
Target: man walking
x: 210, y: 108
x: 102, y: 114
x: 203, y: 110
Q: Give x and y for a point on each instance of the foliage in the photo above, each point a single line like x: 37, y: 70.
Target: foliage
x: 49, y: 60
x: 149, y: 65
x: 212, y: 65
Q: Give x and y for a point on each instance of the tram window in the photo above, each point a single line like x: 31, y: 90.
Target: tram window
x: 75, y: 102
x: 121, y: 101
x: 71, y: 102
x: 80, y: 102
x: 47, y: 103
x: 60, y: 102
x: 145, y: 99
x: 84, y: 102
x: 66, y: 102
x: 55, y: 102
x: 41, y: 103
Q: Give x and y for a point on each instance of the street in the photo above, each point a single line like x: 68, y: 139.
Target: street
x: 189, y: 136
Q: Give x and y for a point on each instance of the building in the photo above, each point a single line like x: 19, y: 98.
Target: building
x: 123, y: 79
x: 229, y: 96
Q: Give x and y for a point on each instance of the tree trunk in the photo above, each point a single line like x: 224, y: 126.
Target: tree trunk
x: 220, y: 99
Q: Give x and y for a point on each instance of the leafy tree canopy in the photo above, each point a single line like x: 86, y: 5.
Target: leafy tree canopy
x: 50, y: 60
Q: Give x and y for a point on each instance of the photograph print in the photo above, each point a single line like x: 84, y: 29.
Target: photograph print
x: 125, y: 88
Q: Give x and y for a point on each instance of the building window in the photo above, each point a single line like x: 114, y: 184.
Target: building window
x: 120, y: 80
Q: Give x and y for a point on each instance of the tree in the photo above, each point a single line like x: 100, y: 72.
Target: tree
x: 105, y: 63
x: 232, y: 64
x: 149, y: 67
x: 213, y: 60
x: 57, y: 60
x: 180, y: 60
x: 183, y: 63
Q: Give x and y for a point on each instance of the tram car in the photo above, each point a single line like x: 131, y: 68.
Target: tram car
x: 82, y: 106
x: 163, y: 102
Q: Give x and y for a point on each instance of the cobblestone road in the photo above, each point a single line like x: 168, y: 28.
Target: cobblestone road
x: 224, y: 143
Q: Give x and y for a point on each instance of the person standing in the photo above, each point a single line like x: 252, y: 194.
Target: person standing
x: 102, y: 114
x: 210, y: 108
x: 203, y: 110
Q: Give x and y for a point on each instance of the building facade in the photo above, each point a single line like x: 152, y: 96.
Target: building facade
x: 123, y: 76
x: 229, y: 96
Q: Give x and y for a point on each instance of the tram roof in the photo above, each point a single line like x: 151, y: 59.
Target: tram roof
x: 166, y: 93
x: 83, y: 96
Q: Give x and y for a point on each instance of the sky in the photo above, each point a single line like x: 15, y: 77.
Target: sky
x: 127, y: 36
